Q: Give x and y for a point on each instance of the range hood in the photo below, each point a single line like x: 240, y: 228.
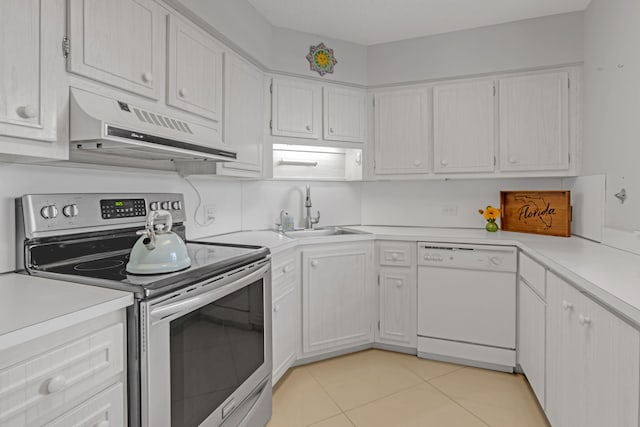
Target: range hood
x: 111, y: 128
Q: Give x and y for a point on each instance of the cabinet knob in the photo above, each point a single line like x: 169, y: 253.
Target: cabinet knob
x: 567, y: 305
x: 513, y: 160
x: 183, y: 92
x: 308, y: 127
x: 276, y: 308
x: 330, y: 130
x: 147, y: 77
x: 56, y: 383
x: 27, y: 111
x: 584, y: 320
x: 417, y: 163
x: 287, y: 269
x: 103, y: 423
x: 314, y: 263
x: 444, y: 162
x: 394, y: 257
x: 398, y: 283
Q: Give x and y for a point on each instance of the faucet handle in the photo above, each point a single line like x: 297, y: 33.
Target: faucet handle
x: 316, y: 219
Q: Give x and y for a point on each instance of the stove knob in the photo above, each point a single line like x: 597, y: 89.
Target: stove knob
x: 49, y: 212
x: 70, y: 211
x: 165, y: 205
x: 176, y: 206
x: 153, y: 206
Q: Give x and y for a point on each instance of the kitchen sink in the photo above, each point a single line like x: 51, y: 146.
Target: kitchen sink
x: 321, y: 232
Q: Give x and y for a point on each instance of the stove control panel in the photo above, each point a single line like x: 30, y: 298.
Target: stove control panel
x: 73, y: 213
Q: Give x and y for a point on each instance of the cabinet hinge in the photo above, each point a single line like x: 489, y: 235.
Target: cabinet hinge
x: 270, y: 124
x: 374, y: 165
x: 569, y: 159
x: 66, y: 46
x: 271, y: 87
x: 569, y: 83
x: 494, y: 160
x: 378, y: 326
x: 374, y: 102
x: 494, y: 90
x: 378, y: 279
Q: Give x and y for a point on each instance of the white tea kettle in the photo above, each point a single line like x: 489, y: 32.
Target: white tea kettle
x: 158, y: 250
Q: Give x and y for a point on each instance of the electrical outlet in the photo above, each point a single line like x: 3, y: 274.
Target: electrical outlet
x: 449, y: 210
x: 209, y: 213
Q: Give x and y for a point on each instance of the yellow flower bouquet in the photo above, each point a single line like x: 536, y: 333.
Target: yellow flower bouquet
x: 490, y: 214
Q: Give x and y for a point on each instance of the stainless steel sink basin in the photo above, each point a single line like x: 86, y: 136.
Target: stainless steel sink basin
x: 320, y: 232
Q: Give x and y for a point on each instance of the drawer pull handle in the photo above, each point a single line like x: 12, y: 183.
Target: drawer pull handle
x: 104, y: 423
x: 27, y: 112
x: 584, y: 320
x: 567, y: 305
x: 287, y: 269
x: 56, y: 383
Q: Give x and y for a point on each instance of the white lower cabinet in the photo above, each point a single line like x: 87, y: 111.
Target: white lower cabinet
x: 71, y: 377
x: 285, y: 282
x: 337, y: 297
x: 397, y: 294
x: 531, y: 339
x: 592, y: 376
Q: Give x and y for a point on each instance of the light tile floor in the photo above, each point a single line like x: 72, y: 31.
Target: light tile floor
x: 376, y: 388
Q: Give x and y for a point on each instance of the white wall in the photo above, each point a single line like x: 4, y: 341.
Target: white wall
x: 612, y: 106
x: 338, y: 202
x: 290, y: 49
x: 16, y: 180
x: 531, y: 43
x: 421, y: 203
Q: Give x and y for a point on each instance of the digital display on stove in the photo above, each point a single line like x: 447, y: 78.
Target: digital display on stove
x: 125, y: 208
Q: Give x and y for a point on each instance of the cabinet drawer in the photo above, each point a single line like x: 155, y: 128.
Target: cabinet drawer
x: 35, y: 388
x: 284, y: 272
x: 103, y: 410
x: 533, y: 273
x: 399, y: 254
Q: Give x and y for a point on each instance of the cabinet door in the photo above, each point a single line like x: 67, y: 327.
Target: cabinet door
x: 337, y: 298
x: 534, y: 122
x: 195, y: 70
x: 531, y: 339
x: 612, y: 354
x: 29, y: 46
x: 244, y: 112
x: 398, y: 306
x: 119, y: 42
x: 344, y: 114
x: 285, y: 320
x: 401, y: 132
x: 296, y: 109
x: 566, y: 364
x: 463, y: 124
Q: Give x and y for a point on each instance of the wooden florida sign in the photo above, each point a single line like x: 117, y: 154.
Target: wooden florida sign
x: 539, y: 212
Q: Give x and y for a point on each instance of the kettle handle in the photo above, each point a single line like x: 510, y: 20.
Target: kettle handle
x: 153, y: 217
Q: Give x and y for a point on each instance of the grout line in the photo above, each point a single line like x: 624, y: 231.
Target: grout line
x: 459, y: 404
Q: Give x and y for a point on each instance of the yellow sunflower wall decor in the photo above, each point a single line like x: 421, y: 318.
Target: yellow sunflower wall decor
x: 321, y: 59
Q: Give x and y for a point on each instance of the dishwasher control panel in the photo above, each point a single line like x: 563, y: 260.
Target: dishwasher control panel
x: 472, y: 257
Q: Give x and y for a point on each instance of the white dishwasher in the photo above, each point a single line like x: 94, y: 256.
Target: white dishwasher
x: 467, y: 304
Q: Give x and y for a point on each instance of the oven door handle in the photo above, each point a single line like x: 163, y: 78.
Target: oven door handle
x: 185, y: 306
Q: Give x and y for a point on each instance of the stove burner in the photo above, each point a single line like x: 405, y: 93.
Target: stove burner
x: 100, y: 264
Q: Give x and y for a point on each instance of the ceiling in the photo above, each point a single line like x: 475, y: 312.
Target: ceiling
x: 369, y: 22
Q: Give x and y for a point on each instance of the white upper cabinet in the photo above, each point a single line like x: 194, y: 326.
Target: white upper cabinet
x: 196, y: 64
x: 345, y: 114
x: 28, y: 72
x: 402, y: 132
x: 463, y: 124
x: 244, y: 107
x: 534, y: 122
x: 120, y: 43
x: 296, y: 109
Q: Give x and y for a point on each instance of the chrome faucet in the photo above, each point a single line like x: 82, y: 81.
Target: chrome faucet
x: 309, y: 220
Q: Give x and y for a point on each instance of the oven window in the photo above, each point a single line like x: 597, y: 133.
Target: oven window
x: 213, y: 351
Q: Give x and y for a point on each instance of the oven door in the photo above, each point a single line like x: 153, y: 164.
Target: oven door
x: 206, y: 348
